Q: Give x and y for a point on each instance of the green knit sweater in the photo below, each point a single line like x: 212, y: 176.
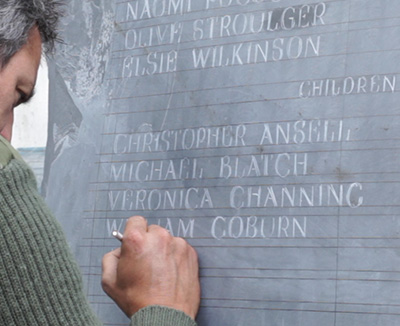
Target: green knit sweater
x: 40, y: 283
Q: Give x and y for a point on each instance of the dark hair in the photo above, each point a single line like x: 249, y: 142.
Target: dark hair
x: 17, y: 17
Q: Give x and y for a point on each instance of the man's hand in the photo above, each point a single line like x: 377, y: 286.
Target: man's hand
x: 152, y: 268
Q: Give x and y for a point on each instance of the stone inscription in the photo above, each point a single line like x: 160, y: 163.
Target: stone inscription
x: 227, y: 169
x: 264, y: 132
x: 279, y: 153
x: 263, y: 23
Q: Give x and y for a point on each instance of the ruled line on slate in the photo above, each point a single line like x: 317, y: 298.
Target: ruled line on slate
x: 284, y: 310
x: 280, y: 270
x: 333, y: 182
x: 255, y: 146
x: 266, y: 300
x: 282, y: 278
x: 354, y: 174
x: 258, y: 36
x: 307, y: 310
x: 94, y: 295
x: 275, y: 238
x: 227, y: 153
x: 233, y: 87
x: 261, y: 123
x: 244, y: 35
x: 252, y: 208
x: 352, y: 22
x: 266, y: 308
x: 256, y: 63
x: 204, y: 10
x: 296, y: 301
x: 321, y: 247
x: 248, y: 145
x: 255, y: 34
x: 241, y: 103
x: 205, y: 216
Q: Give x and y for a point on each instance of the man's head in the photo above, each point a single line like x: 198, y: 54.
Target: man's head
x: 25, y: 26
x: 17, y: 17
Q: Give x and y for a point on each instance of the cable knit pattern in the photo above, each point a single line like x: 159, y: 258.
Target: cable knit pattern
x: 40, y: 283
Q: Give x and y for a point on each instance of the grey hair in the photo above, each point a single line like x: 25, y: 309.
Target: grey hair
x: 17, y: 17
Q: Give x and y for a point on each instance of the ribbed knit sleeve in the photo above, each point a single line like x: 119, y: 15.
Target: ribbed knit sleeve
x: 161, y: 316
x: 40, y: 283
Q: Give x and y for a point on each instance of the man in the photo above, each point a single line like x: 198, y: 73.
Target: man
x: 153, y: 277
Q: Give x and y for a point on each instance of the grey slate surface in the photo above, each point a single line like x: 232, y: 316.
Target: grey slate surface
x: 35, y: 157
x: 264, y: 132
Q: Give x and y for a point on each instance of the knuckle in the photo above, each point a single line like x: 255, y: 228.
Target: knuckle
x: 138, y: 218
x: 181, y: 243
x: 105, y: 259
x: 134, y: 237
x: 193, y: 253
x: 162, y: 233
x: 106, y: 284
x: 194, y: 258
x: 183, y: 249
x: 134, y: 221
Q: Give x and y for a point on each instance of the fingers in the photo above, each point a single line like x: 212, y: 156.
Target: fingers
x: 137, y: 223
x: 159, y: 235
x: 152, y: 268
x: 109, y: 267
x: 181, y: 247
x: 135, y: 234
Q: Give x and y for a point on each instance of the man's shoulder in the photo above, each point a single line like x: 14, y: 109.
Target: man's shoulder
x: 7, y: 152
